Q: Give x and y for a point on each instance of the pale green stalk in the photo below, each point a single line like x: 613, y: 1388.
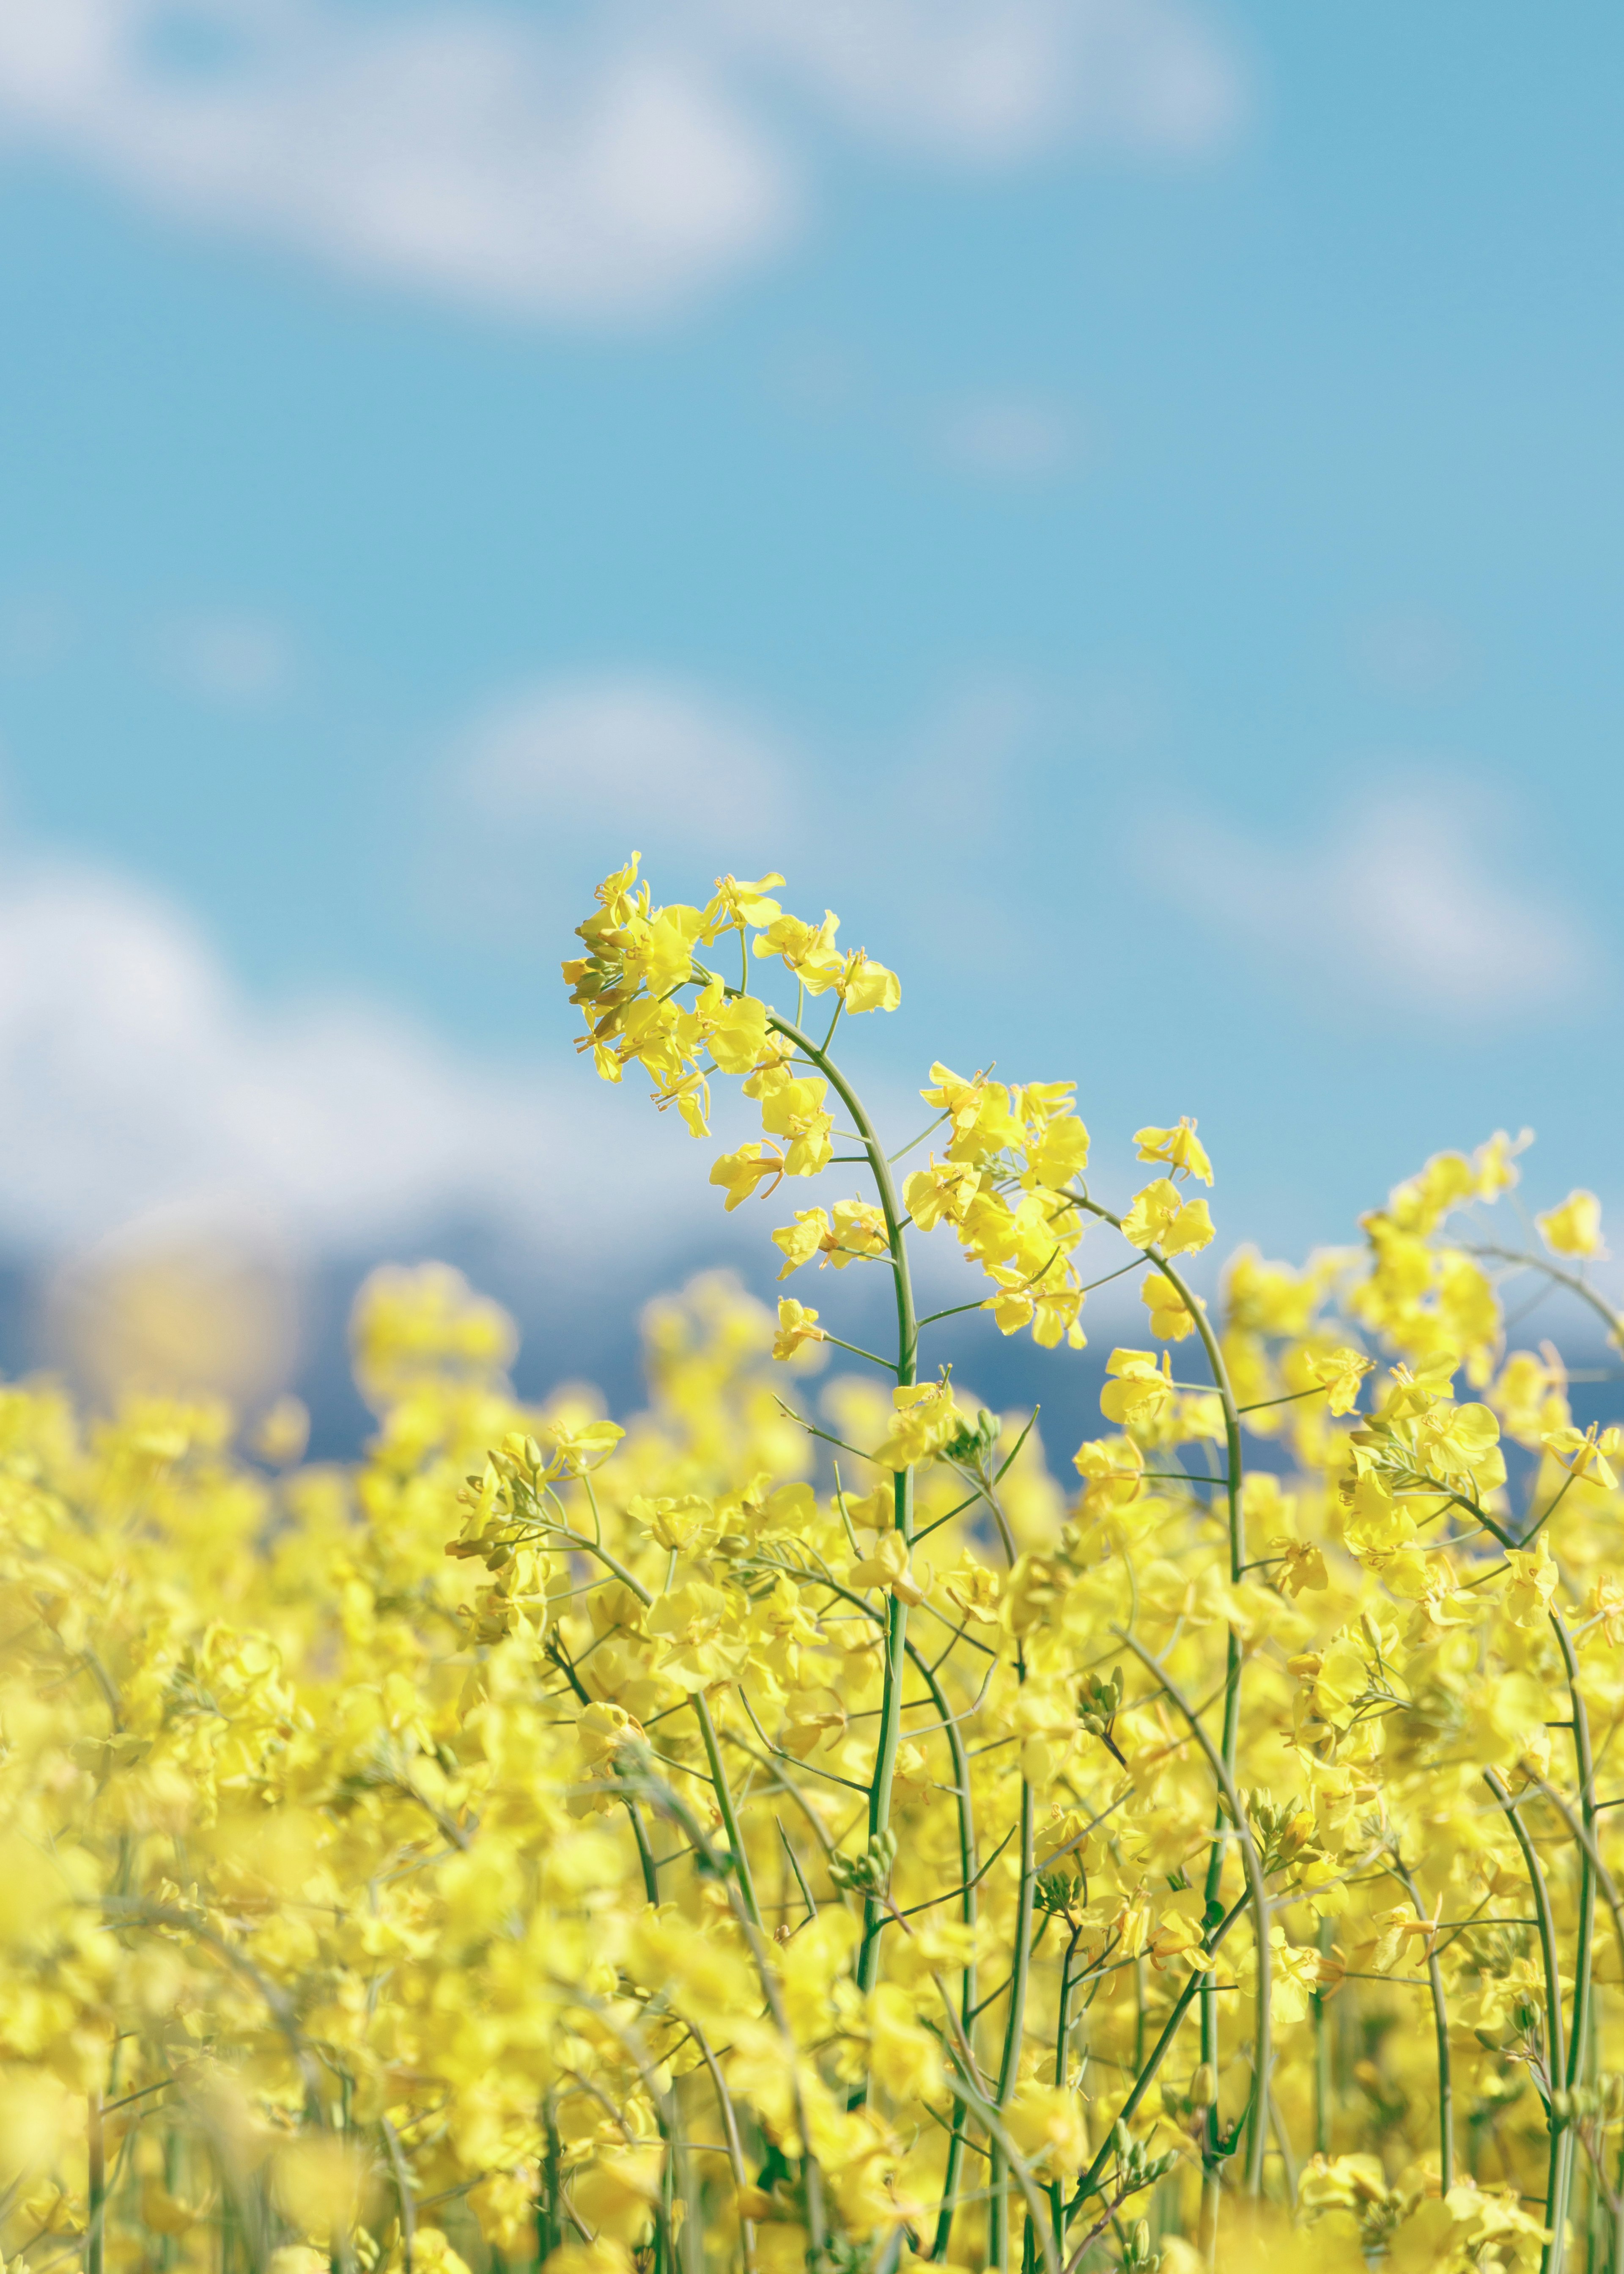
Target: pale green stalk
x: 1584, y: 1966
x: 1257, y: 2134
x: 1014, y: 2027
x: 902, y: 1483
x: 1211, y: 2176
x: 702, y: 1711
x: 1441, y: 2031
x: 1561, y: 2139
x: 95, y: 2229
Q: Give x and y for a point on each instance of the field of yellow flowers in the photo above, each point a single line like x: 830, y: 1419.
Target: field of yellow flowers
x: 798, y: 1826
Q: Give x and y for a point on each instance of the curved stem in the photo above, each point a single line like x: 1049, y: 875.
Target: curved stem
x: 1585, y: 1837
x: 1571, y: 1280
x: 1551, y: 2258
x: 1063, y: 2023
x: 725, y: 1802
x: 902, y: 1480
x: 713, y: 1756
x: 1234, y: 1479
x: 1014, y: 2029
x: 992, y: 2122
x: 1440, y: 2028
x: 401, y: 2177
x: 1157, y: 2054
x: 730, y: 2133
x: 1585, y: 1934
x: 1258, y: 2119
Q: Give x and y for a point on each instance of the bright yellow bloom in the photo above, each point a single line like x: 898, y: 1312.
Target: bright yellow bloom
x: 866, y: 985
x: 797, y: 1326
x: 1584, y: 1453
x: 808, y: 950
x: 1341, y: 1371
x: 1181, y: 1147
x: 888, y: 1568
x: 1170, y: 1318
x: 1142, y: 1392
x: 1159, y: 1218
x: 1574, y: 1228
x: 737, y: 905
x: 740, y: 1173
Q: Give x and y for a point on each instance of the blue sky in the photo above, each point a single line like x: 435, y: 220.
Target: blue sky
x: 1119, y: 498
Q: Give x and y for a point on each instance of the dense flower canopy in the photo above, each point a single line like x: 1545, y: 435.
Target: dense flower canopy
x: 793, y: 1827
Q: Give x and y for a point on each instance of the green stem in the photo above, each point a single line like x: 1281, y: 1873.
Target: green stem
x: 1441, y: 2031
x: 902, y: 1480
x: 1585, y: 1938
x: 1057, y: 2190
x: 1585, y: 1934
x: 730, y: 2136
x: 1568, y: 1279
x: 968, y: 1876
x: 1158, y: 2054
x: 95, y: 2236
x: 1324, y: 2083
x: 1258, y: 2118
x: 1561, y: 2139
x: 725, y: 1802
x: 1233, y: 1482
x: 1014, y: 2029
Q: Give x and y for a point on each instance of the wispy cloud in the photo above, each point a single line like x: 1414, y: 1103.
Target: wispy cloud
x: 598, y: 757
x: 610, y: 165
x: 1415, y: 905
x: 241, y: 661
x: 1013, y: 438
x: 996, y: 80
x: 135, y: 1076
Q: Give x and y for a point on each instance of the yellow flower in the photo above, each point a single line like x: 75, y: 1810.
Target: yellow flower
x: 943, y: 1190
x: 1142, y: 1392
x: 809, y: 950
x: 739, y: 1173
x: 1340, y: 1371
x: 1159, y: 1218
x: 866, y: 985
x: 925, y: 1419
x: 797, y: 1326
x: 736, y: 905
x: 904, y: 2058
x: 1532, y: 1584
x: 1301, y: 1565
x: 1058, y: 1153
x: 975, y: 1591
x: 686, y: 1524
x: 1046, y: 2123
x: 799, y: 1242
x: 1583, y: 1453
x: 1180, y: 1146
x: 1574, y: 1228
x: 1495, y: 1162
x: 1169, y: 1316
x: 888, y: 1568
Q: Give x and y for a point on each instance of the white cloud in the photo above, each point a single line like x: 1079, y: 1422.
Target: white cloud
x: 1412, y: 909
x: 244, y: 661
x: 134, y: 1078
x: 606, y: 756
x: 609, y: 168
x: 1009, y: 438
x: 999, y: 79
x: 453, y: 150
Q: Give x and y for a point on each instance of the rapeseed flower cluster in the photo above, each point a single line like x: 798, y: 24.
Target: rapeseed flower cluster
x: 781, y: 1830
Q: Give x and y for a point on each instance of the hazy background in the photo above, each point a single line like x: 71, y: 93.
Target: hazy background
x: 1120, y: 498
